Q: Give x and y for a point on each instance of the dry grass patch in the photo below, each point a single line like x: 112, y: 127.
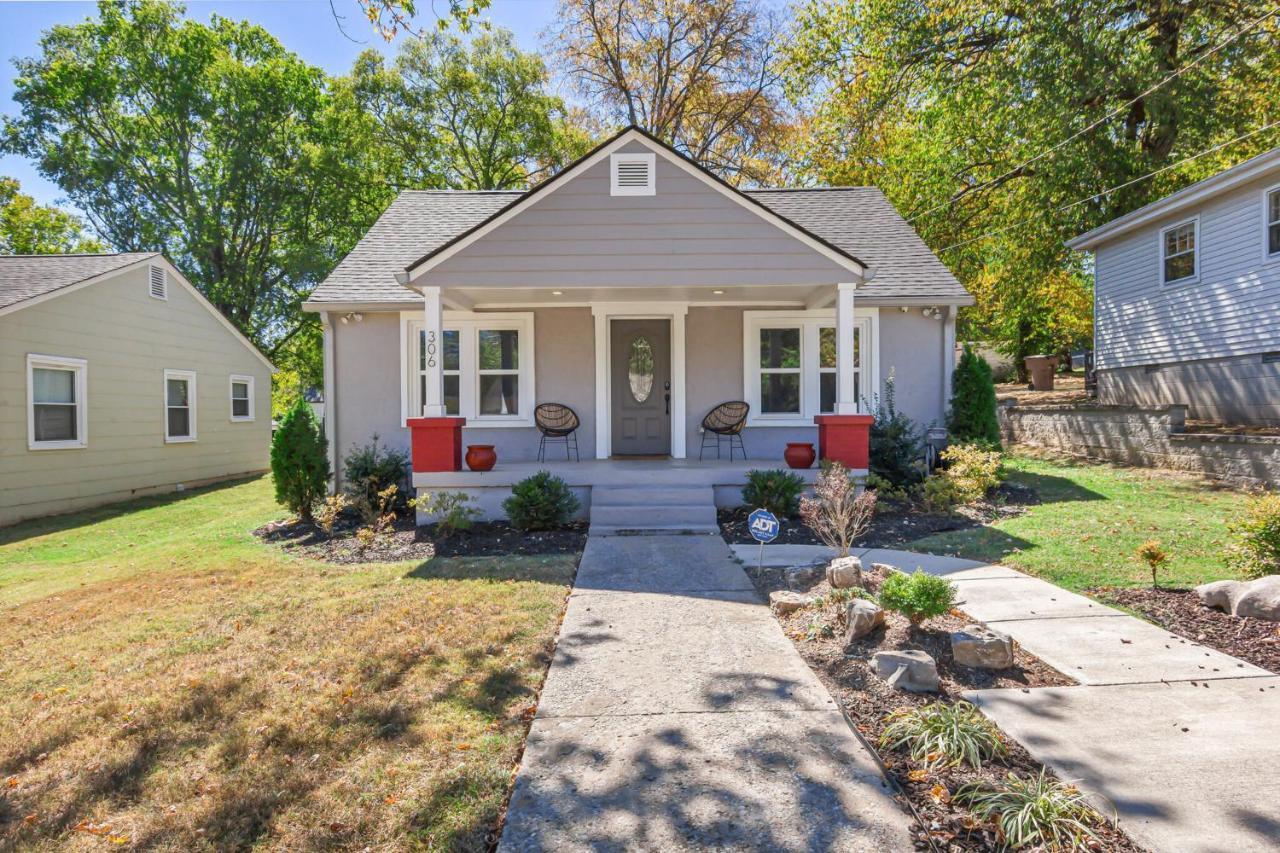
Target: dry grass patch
x: 189, y: 702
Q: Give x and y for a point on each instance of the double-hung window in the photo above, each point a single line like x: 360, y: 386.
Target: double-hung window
x: 827, y: 365
x: 241, y: 398
x: 780, y: 379
x: 486, y: 367
x: 179, y: 406
x: 56, y: 410
x: 1179, y: 254
x: 1271, y: 222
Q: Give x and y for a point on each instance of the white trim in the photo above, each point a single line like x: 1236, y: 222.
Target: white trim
x: 651, y: 185
x: 231, y: 391
x: 1194, y: 222
x: 809, y: 323
x: 605, y: 312
x: 416, y: 271
x: 1267, y: 255
x: 468, y: 324
x: 80, y: 367
x: 190, y: 377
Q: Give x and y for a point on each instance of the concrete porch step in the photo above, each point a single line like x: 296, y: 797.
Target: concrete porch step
x: 652, y: 496
x: 656, y: 515
x: 653, y: 530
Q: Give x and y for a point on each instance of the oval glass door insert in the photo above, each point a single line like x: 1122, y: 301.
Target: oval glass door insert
x: 640, y: 369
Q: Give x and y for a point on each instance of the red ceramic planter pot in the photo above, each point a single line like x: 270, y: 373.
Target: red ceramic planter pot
x: 799, y: 454
x: 481, y: 457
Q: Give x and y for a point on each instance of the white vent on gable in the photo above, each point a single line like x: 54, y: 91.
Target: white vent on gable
x: 632, y: 174
x: 159, y: 282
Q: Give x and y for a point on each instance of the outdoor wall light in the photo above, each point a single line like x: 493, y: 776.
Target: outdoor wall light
x: 351, y: 315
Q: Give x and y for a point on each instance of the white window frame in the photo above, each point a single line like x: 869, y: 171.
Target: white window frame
x: 468, y: 326
x: 810, y: 323
x: 1194, y: 222
x: 190, y: 377
x: 58, y: 362
x: 1267, y: 254
x: 237, y: 378
x: 649, y: 160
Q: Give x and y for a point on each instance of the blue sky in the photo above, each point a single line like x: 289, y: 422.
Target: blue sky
x: 306, y: 27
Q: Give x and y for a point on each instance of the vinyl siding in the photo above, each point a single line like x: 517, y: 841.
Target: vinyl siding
x: 128, y: 339
x: 1233, y: 309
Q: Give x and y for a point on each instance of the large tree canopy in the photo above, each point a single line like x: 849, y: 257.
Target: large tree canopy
x: 210, y: 142
x: 27, y: 228
x: 941, y: 103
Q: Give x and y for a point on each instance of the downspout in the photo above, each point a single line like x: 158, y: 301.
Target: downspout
x: 330, y: 400
x: 948, y: 356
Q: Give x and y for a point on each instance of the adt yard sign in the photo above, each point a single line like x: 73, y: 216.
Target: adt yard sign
x: 763, y: 525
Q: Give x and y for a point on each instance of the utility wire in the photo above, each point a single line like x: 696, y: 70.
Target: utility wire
x: 1117, y: 188
x: 1202, y: 57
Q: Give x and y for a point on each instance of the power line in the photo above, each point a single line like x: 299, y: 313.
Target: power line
x: 1201, y: 58
x: 1117, y: 188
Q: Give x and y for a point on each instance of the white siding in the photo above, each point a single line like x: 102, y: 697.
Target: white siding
x: 1233, y: 309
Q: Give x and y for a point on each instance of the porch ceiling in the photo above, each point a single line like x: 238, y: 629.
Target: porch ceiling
x: 792, y: 295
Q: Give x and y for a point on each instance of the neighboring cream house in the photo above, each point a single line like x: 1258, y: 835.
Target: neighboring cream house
x: 1187, y: 298
x: 117, y: 379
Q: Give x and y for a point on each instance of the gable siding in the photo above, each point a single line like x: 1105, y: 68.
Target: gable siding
x: 1232, y: 310
x: 688, y: 234
x: 128, y: 339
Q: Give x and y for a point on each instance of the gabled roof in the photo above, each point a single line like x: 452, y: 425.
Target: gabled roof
x: 24, y: 277
x: 1184, y: 199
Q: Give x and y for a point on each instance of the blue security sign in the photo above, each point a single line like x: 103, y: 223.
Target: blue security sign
x: 763, y: 525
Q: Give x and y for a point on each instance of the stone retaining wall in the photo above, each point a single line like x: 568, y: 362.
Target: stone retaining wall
x: 1148, y: 438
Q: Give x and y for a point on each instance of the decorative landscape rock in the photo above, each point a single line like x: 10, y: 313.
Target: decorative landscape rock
x: 981, y: 647
x: 907, y: 669
x: 883, y: 569
x: 1259, y: 598
x: 804, y: 577
x: 785, y: 601
x: 861, y: 617
x: 844, y: 573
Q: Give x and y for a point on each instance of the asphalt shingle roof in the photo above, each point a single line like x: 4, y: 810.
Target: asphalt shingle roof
x: 24, y: 277
x: 858, y: 220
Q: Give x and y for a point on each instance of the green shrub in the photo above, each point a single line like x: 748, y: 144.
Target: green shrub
x: 970, y: 471
x: 540, y: 502
x: 972, y: 415
x: 369, y: 470
x: 449, y: 509
x: 896, y: 447
x: 917, y: 596
x: 1038, y: 811
x: 300, y: 461
x: 777, y: 491
x: 958, y: 733
x: 1256, y: 551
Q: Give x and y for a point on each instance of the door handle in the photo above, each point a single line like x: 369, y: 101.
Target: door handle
x: 666, y: 386
x: 667, y: 397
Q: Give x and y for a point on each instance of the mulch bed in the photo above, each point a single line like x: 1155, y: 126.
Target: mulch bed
x: 895, y: 522
x: 926, y: 792
x: 407, y: 541
x: 1256, y: 641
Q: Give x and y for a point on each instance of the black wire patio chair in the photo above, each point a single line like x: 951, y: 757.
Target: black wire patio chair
x: 557, y: 422
x: 725, y: 422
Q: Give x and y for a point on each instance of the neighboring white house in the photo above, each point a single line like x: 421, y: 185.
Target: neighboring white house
x: 117, y: 379
x: 1187, y: 298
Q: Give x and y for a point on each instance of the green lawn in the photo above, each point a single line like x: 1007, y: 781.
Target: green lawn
x: 1092, y: 519
x: 169, y: 682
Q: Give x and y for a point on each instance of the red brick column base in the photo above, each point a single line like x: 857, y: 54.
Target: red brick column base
x: 845, y: 439
x: 437, y: 443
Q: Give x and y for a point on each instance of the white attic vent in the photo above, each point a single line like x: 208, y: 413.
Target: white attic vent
x: 631, y: 174
x: 159, y: 282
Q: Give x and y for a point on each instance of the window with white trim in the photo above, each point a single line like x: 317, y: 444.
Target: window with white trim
x: 1179, y: 259
x: 790, y: 364
x: 241, y: 398
x: 179, y: 405
x: 1271, y: 220
x: 486, y: 367
x: 56, y: 407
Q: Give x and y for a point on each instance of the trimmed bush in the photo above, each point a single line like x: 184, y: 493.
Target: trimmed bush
x: 939, y: 733
x: 540, y: 502
x: 918, y: 596
x: 1256, y: 551
x: 897, y: 449
x: 777, y: 491
x: 300, y: 461
x: 972, y: 415
x: 368, y: 471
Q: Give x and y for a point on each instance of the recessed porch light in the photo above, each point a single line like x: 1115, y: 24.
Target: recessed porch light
x: 718, y: 292
x: 557, y: 293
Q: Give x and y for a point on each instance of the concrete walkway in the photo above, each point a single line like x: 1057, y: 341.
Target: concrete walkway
x: 1180, y: 740
x: 676, y: 715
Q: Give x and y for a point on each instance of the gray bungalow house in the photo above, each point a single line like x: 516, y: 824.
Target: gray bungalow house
x: 640, y: 290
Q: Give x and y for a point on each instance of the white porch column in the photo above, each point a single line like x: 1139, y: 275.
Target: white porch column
x: 433, y: 329
x: 846, y: 388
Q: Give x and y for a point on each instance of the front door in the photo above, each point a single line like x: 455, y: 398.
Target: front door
x: 640, y: 371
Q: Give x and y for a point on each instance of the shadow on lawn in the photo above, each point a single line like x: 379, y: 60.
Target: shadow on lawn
x: 552, y: 568
x: 1052, y: 489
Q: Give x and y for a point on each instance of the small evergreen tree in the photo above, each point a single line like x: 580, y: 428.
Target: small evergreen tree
x: 300, y: 461
x: 972, y: 418
x: 896, y: 444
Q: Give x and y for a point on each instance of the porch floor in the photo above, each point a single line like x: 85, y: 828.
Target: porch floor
x: 618, y: 471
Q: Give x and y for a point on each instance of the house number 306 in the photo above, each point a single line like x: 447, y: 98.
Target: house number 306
x: 431, y: 349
